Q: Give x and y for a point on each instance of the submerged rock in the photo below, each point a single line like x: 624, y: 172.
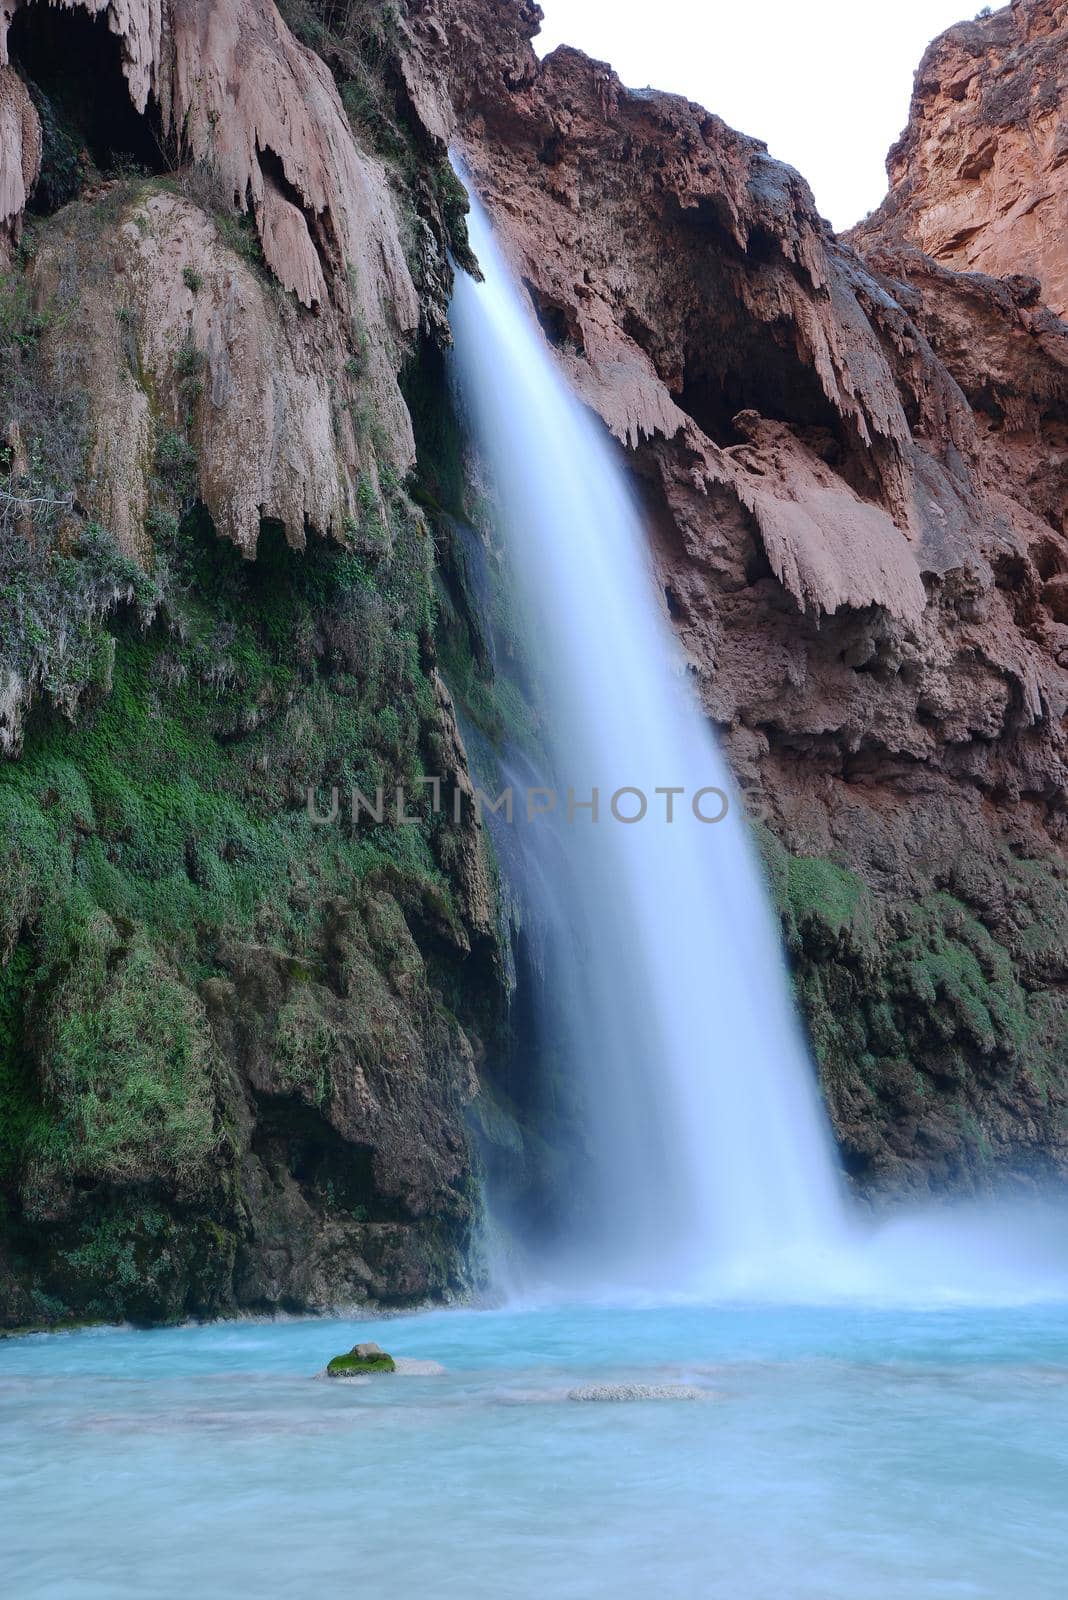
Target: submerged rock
x: 639, y: 1391
x: 362, y: 1358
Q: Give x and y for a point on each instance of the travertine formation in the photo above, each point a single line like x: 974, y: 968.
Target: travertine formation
x: 977, y: 180
x: 263, y: 1104
x: 258, y: 382
x: 231, y: 89
x: 231, y: 84
x: 20, y: 155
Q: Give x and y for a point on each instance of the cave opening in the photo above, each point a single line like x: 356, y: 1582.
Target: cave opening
x: 1050, y: 559
x: 71, y: 63
x: 760, y: 370
x: 558, y: 322
x: 752, y: 374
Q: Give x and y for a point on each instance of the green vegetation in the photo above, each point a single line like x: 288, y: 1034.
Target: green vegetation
x: 18, y: 1109
x: 170, y: 819
x: 160, y: 824
x: 478, y: 637
x: 132, y: 1067
x: 358, y: 38
x: 42, y: 456
x: 60, y: 576
x: 361, y: 1358
x: 202, y: 185
x: 53, y: 608
x: 819, y: 891
x: 360, y: 41
x: 926, y: 1018
x: 306, y: 1048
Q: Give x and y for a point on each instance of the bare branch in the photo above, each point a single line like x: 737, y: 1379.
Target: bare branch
x: 33, y: 506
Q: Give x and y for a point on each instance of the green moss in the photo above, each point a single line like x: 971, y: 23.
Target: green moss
x: 919, y: 1013
x: 820, y: 889
x: 949, y: 963
x: 133, y: 1068
x: 54, y: 608
x: 21, y: 1115
x: 63, y: 150
x: 172, y: 816
x: 306, y: 1048
x: 60, y: 576
x: 352, y: 1365
x: 441, y: 483
x: 136, y: 1260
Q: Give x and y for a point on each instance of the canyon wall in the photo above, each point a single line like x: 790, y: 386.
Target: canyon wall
x: 252, y: 1060
x: 854, y: 467
x: 977, y: 179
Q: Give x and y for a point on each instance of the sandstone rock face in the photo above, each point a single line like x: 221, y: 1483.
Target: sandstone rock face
x: 857, y: 489
x: 977, y: 180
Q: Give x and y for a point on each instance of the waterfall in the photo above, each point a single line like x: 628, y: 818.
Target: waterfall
x: 710, y: 1160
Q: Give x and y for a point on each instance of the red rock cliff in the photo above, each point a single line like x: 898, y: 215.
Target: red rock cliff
x: 978, y: 178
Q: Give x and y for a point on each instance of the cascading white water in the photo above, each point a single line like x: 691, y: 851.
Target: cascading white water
x: 711, y: 1156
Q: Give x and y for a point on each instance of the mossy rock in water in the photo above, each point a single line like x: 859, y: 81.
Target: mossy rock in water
x: 361, y: 1358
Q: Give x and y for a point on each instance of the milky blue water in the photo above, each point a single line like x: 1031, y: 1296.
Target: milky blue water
x: 847, y: 1454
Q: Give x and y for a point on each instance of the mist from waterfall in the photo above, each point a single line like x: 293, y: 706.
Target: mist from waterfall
x: 709, y: 1154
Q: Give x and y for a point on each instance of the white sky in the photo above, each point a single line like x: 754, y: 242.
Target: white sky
x: 825, y: 83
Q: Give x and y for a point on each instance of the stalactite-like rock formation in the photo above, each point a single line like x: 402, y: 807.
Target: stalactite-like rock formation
x: 229, y: 88
x: 20, y: 154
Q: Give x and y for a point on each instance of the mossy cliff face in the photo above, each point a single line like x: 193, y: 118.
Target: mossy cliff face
x: 238, y: 1043
x: 940, y: 1022
x: 230, y: 1074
